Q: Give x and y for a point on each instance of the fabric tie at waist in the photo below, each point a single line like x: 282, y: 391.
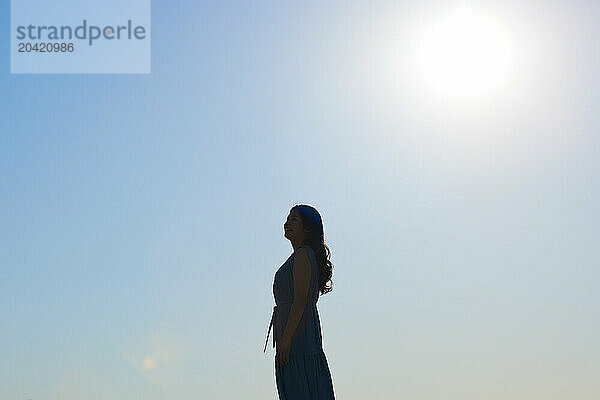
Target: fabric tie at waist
x: 269, y: 332
x: 273, y: 319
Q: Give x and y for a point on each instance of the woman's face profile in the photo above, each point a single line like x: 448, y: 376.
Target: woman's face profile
x: 293, y: 229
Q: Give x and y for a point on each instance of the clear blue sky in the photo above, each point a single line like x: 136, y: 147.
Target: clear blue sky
x: 142, y: 215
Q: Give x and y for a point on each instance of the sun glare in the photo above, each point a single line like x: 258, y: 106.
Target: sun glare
x: 463, y: 55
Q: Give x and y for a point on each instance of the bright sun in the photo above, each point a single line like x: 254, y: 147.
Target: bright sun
x: 464, y: 55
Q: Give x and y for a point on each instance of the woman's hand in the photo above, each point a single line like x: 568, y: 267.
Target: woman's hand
x: 283, y: 351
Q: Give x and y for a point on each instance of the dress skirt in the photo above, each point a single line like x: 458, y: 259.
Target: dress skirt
x: 304, y: 377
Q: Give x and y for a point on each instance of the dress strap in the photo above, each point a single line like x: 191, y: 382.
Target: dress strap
x: 307, y: 247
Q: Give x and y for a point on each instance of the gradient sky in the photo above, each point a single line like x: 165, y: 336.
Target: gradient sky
x: 142, y: 215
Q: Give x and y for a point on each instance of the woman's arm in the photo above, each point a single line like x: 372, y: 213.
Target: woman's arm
x: 301, y: 273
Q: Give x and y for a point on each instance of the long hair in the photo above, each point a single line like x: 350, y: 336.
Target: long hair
x: 311, y: 221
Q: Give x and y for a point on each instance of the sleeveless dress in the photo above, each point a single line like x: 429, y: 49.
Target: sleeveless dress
x: 306, y: 375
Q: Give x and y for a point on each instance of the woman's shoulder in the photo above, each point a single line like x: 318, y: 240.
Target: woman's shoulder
x: 309, y: 251
x: 304, y: 248
x: 307, y: 247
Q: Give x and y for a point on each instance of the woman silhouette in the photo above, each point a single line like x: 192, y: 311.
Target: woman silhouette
x: 301, y: 369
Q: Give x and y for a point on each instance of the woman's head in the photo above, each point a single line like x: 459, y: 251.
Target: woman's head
x: 305, y: 226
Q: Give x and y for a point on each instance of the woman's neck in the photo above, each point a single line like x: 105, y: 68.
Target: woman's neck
x: 295, y: 245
